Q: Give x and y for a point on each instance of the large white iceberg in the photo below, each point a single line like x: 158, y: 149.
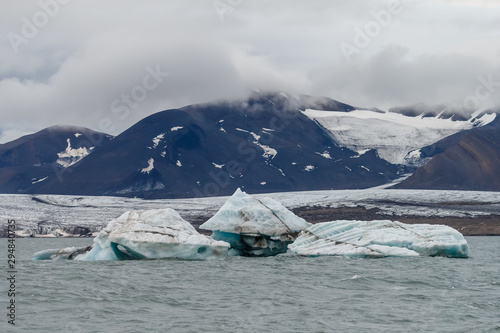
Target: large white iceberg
x: 148, y: 234
x: 255, y: 227
x: 380, y: 239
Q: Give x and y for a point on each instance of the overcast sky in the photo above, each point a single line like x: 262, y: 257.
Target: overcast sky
x: 107, y: 64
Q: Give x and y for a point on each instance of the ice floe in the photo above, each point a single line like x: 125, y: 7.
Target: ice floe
x: 56, y: 254
x: 148, y: 234
x: 380, y: 239
x: 255, y: 227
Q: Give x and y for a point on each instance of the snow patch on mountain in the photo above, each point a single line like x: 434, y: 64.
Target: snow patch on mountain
x: 394, y: 136
x: 70, y: 155
x: 39, y: 180
x: 176, y: 128
x: 150, y: 166
x: 360, y: 153
x: 218, y: 166
x: 157, y: 139
x: 325, y: 154
x: 269, y: 153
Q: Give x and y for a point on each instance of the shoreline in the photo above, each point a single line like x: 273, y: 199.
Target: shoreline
x: 487, y: 225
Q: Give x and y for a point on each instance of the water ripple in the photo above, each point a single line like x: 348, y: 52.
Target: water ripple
x: 285, y: 294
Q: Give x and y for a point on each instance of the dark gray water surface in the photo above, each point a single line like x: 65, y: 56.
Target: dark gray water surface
x: 277, y: 294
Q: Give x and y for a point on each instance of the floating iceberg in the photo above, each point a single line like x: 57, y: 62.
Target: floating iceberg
x: 148, y: 234
x: 255, y: 227
x: 380, y: 239
x: 66, y: 253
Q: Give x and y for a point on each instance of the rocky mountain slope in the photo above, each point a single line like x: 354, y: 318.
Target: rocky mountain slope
x: 34, y: 158
x: 465, y: 161
x: 263, y: 144
x: 270, y: 142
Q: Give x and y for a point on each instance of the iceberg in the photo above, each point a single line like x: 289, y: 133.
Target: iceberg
x: 379, y: 239
x: 66, y: 253
x: 255, y: 227
x: 146, y: 234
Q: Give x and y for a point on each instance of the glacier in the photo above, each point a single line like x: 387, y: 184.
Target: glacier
x: 396, y: 138
x: 147, y: 234
x: 382, y: 238
x: 255, y: 227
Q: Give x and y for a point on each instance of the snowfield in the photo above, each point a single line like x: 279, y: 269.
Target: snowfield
x: 397, y: 138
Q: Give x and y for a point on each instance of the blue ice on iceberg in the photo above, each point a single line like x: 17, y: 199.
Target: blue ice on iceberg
x: 255, y: 227
x: 148, y: 234
x: 380, y: 239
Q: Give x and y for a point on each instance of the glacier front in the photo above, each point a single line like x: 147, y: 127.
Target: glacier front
x: 147, y: 234
x: 379, y: 239
x: 255, y: 227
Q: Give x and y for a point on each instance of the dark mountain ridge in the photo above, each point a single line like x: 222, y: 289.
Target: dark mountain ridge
x: 38, y: 156
x: 263, y: 144
x: 468, y: 160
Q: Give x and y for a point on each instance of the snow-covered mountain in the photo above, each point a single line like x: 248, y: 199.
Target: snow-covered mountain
x: 270, y: 142
x: 263, y: 144
x: 395, y: 137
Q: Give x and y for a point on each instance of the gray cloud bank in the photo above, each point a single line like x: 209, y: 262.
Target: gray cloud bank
x: 106, y: 65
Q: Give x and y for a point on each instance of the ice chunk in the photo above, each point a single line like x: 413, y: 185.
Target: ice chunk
x: 145, y: 234
x: 66, y: 253
x: 255, y: 227
x: 380, y: 239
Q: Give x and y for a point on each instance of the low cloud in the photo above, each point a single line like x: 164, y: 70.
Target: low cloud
x: 390, y: 78
x: 84, y: 59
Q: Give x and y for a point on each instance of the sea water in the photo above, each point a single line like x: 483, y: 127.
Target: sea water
x: 237, y: 294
